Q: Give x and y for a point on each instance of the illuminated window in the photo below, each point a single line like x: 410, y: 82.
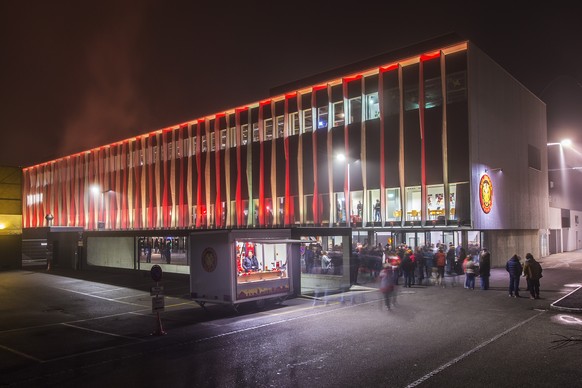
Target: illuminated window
x: 338, y: 114
x: 280, y: 126
x: 393, y: 208
x: 222, y: 139
x: 244, y: 129
x: 307, y: 120
x: 294, y: 123
x: 203, y: 143
x: 372, y: 106
x: 212, y: 145
x: 255, y: 131
x: 268, y: 123
x: 355, y: 106
x: 322, y: 117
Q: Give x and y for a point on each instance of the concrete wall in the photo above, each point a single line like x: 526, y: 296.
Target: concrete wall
x: 570, y: 238
x: 505, y: 118
x: 505, y: 243
x: 118, y: 252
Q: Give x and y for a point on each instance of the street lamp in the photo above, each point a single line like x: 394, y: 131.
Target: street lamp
x: 563, y: 143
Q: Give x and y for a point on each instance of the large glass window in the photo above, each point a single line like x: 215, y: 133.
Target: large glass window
x: 372, y: 106
x: 374, y: 209
x: 212, y: 145
x: 162, y: 250
x: 322, y: 117
x: 452, y: 202
x: 435, y: 202
x: 338, y: 113
x: 307, y: 120
x: 222, y: 139
x: 260, y: 258
x: 413, y: 203
x: 244, y: 134
x: 393, y: 209
x: 294, y: 123
x: 268, y: 129
x: 355, y: 106
x: 204, y: 147
x: 280, y: 122
x: 323, y: 255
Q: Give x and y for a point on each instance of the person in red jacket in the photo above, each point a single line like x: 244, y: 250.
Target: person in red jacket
x: 440, y: 260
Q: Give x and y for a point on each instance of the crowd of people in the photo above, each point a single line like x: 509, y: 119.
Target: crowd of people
x: 427, y: 265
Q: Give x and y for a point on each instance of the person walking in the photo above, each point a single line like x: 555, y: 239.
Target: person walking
x: 387, y: 285
x: 532, y: 270
x: 515, y: 269
x: 485, y: 268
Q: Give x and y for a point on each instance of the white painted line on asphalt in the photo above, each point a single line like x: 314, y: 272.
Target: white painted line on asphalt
x: 467, y: 354
x: 560, y: 308
x: 21, y: 354
x: 99, y: 297
x: 101, y: 332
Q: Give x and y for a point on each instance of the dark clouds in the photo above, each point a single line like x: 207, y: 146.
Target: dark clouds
x: 77, y: 75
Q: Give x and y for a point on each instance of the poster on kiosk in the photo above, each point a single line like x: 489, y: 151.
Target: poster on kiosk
x: 233, y: 266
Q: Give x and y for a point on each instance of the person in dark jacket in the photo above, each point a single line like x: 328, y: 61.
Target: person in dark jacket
x: 532, y: 270
x: 408, y: 266
x: 515, y: 269
x: 485, y: 268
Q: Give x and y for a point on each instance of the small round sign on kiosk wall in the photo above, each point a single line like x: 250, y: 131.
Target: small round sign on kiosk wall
x: 209, y: 259
x: 156, y: 273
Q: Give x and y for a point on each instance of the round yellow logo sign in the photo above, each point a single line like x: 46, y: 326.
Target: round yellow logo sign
x: 486, y: 193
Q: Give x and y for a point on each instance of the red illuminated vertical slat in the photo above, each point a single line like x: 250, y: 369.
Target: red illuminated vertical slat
x: 150, y: 167
x: 199, y: 126
x: 182, y: 187
x: 287, y: 207
x: 217, y: 173
x: 124, y: 179
x: 136, y: 144
x: 421, y: 99
x: 165, y: 181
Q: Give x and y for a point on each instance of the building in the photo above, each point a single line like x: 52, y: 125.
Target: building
x: 434, y: 143
x: 10, y: 217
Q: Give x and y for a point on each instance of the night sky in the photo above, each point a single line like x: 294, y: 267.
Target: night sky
x: 80, y: 74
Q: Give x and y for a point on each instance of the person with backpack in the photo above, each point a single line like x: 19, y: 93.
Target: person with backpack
x: 532, y: 270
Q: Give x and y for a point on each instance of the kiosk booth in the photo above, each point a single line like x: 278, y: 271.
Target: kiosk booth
x: 236, y: 266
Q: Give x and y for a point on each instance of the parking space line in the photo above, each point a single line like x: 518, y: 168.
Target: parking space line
x: 99, y: 297
x: 101, y: 332
x: 468, y: 353
x: 21, y: 354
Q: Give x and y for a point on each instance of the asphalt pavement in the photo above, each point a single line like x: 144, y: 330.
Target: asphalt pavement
x: 96, y: 328
x: 177, y: 285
